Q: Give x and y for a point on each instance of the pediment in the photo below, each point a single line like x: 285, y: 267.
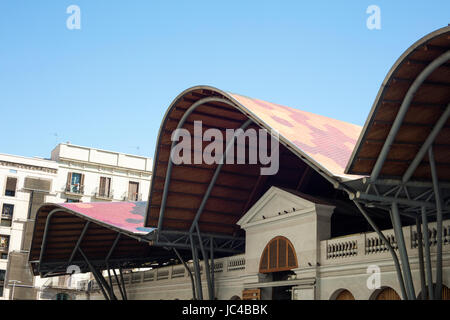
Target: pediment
x: 275, y: 204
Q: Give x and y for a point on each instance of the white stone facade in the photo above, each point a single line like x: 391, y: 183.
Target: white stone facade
x: 325, y: 266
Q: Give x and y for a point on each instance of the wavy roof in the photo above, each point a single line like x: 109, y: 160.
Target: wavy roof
x: 329, y: 142
x: 127, y: 216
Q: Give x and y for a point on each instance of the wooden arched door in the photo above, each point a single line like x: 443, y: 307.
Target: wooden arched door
x: 388, y: 294
x: 345, y: 295
x: 445, y: 293
x: 278, y: 255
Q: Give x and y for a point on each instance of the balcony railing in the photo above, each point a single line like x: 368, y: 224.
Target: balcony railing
x: 75, y: 188
x: 104, y: 194
x: 132, y: 196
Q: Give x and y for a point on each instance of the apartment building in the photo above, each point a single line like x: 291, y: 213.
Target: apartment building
x: 72, y: 174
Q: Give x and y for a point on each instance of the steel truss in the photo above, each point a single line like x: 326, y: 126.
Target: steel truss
x: 194, y: 239
x: 415, y: 200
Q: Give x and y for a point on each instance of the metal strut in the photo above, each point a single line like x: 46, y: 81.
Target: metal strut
x: 123, y: 283
x: 388, y: 245
x: 429, y: 271
x: 170, y: 163
x: 402, y: 111
x: 189, y: 272
x: 198, y: 280
x: 437, y: 195
x: 397, y: 224
x: 119, y: 285
x: 206, y: 262
x: 100, y: 280
x: 423, y: 285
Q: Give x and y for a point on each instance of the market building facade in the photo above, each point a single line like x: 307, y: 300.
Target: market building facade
x: 351, y: 213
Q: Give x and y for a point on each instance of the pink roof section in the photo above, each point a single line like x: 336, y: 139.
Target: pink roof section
x: 127, y: 216
x: 327, y: 142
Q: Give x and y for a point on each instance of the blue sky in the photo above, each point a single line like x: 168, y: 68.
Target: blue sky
x: 108, y: 84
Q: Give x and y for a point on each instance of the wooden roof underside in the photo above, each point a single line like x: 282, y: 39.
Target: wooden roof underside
x: 427, y: 106
x: 64, y: 231
x: 238, y: 185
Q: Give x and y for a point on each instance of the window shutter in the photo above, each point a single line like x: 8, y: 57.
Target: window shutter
x: 278, y: 255
x: 11, y: 183
x: 102, y: 186
x: 69, y: 179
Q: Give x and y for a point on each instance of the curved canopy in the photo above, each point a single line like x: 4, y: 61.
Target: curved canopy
x: 306, y: 141
x: 428, y: 104
x: 54, y: 250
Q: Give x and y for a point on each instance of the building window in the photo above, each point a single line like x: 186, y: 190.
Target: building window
x: 133, y: 191
x: 4, y: 244
x: 104, y: 189
x: 2, y: 281
x: 72, y: 200
x: 62, y: 296
x: 278, y: 255
x: 7, y: 214
x: 11, y: 184
x: 75, y: 182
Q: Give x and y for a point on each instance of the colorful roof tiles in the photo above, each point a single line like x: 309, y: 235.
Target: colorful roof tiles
x: 128, y: 216
x: 328, y: 142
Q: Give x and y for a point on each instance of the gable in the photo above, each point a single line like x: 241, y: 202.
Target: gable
x: 275, y: 204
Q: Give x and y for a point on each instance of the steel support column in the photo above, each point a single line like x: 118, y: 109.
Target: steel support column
x: 437, y: 195
x: 388, y: 245
x: 95, y: 274
x: 111, y: 287
x: 119, y: 285
x: 123, y: 283
x: 198, y: 280
x: 426, y: 239
x: 397, y: 224
x: 189, y: 272
x: 423, y: 292
x: 213, y: 267
x: 206, y: 262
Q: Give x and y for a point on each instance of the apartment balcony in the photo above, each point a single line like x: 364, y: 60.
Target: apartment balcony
x: 106, y: 195
x: 132, y: 196
x: 75, y: 189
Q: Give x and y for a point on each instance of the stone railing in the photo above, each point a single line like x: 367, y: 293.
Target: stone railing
x: 365, y: 245
x: 342, y: 247
x: 221, y: 267
x: 432, y: 232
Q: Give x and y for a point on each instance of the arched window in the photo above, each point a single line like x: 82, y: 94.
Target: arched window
x: 278, y: 255
x: 342, y: 294
x: 387, y: 294
x: 445, y: 292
